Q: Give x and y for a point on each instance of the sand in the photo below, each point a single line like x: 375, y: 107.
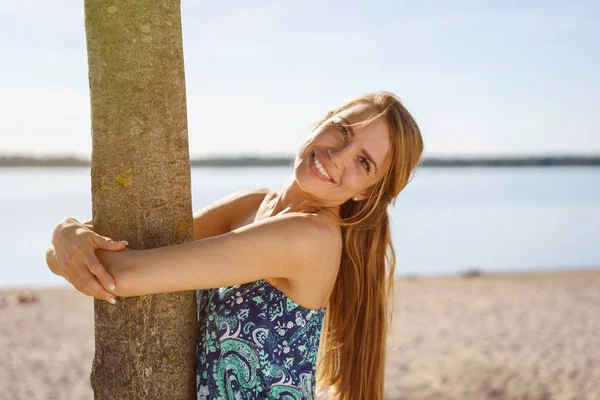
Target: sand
x: 531, y: 336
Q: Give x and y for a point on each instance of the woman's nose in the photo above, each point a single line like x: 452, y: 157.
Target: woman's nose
x: 338, y: 156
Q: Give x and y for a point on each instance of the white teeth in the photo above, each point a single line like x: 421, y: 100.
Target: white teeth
x: 320, y: 168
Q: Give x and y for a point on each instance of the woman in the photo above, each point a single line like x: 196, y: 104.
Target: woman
x: 314, y: 256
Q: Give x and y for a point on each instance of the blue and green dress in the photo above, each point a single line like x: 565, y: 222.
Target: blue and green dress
x: 255, y: 343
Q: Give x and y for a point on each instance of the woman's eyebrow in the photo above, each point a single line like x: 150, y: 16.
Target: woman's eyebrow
x: 365, y: 152
x: 348, y: 125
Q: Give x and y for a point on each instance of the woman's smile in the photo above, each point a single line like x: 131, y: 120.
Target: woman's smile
x: 317, y: 168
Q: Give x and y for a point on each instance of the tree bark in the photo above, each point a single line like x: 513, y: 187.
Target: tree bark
x: 141, y: 192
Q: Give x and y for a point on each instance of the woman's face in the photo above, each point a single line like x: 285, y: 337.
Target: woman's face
x: 341, y: 161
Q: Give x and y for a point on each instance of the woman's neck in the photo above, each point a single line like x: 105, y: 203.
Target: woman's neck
x: 292, y: 198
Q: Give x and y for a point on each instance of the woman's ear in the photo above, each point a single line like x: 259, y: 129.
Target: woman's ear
x: 365, y: 194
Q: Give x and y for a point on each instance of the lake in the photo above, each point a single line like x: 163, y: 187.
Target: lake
x: 446, y: 221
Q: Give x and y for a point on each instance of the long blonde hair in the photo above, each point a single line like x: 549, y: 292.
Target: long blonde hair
x: 359, y: 311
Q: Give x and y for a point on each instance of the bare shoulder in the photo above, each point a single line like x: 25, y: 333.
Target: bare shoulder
x: 315, y: 241
x: 246, y: 203
x: 308, y: 239
x: 325, y: 229
x: 324, y: 238
x: 226, y: 213
x: 314, y: 228
x: 314, y: 290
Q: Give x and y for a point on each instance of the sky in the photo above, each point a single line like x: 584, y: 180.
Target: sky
x: 493, y: 78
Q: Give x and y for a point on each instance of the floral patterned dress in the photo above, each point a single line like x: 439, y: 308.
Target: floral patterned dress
x: 255, y: 343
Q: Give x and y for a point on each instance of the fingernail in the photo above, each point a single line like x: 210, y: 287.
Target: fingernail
x: 111, y: 286
x: 112, y: 301
x: 126, y: 242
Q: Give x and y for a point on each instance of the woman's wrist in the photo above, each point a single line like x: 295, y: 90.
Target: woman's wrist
x: 121, y: 265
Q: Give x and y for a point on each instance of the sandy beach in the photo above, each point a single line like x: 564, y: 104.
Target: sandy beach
x: 525, y: 336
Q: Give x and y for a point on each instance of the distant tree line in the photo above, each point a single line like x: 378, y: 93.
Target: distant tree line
x: 24, y: 161
x: 20, y: 161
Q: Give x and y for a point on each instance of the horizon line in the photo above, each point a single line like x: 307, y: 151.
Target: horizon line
x: 275, y: 156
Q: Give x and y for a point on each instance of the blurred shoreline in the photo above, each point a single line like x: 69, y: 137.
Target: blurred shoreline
x: 256, y: 161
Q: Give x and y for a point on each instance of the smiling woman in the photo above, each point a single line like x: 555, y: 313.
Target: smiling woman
x: 345, y: 151
x: 275, y: 268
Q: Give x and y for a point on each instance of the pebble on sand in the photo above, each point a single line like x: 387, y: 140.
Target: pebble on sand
x: 27, y: 297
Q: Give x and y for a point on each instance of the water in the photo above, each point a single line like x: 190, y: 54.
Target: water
x: 446, y: 220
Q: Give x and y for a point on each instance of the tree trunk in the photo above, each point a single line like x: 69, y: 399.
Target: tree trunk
x: 141, y: 192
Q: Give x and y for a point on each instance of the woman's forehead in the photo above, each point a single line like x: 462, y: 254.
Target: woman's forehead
x: 358, y: 113
x: 361, y: 113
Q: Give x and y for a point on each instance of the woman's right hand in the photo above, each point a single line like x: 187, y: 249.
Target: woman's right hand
x: 74, y: 244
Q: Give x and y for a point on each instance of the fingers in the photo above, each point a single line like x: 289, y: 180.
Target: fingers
x: 94, y: 264
x: 87, y: 283
x: 77, y: 272
x: 109, y: 244
x: 97, y: 269
x: 79, y: 265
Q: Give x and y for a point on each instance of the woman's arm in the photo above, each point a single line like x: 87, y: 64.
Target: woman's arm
x: 225, y: 214
x: 219, y: 217
x: 285, y: 246
x: 73, y: 243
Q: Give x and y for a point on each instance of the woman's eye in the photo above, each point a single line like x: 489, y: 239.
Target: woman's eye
x: 365, y: 163
x: 343, y: 131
